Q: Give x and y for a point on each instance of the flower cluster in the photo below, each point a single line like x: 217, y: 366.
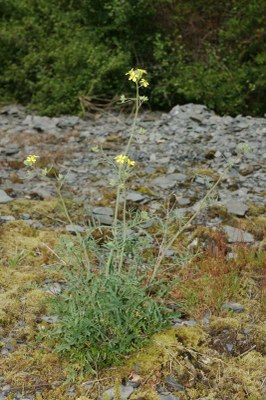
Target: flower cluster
x: 136, y: 75
x: 31, y: 160
x: 122, y: 159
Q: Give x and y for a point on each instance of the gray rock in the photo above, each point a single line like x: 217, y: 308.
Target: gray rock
x: 236, y: 207
x: 4, y: 198
x: 237, y: 235
x: 170, y: 380
x: 75, y: 228
x: 55, y: 288
x: 125, y: 392
x: 232, y: 306
x: 103, y: 219
x: 103, y: 211
x: 135, y: 196
x: 183, y: 201
x: 41, y: 124
x: 168, y: 396
x: 9, y: 151
x: 7, y: 218
x: 50, y: 319
x: 229, y: 347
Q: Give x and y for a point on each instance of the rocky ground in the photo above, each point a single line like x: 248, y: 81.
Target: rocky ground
x: 178, y: 154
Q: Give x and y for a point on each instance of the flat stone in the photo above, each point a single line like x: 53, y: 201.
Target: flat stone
x: 183, y: 201
x: 4, y: 198
x: 103, y: 219
x: 41, y: 124
x: 236, y: 207
x: 50, y: 319
x: 135, y: 196
x: 103, y: 211
x: 125, y: 392
x: 75, y: 228
x: 170, y: 380
x: 168, y: 396
x: 236, y: 307
x: 237, y: 235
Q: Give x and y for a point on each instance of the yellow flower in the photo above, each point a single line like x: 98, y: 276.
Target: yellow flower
x: 144, y: 83
x: 131, y: 162
x: 122, y: 159
x: 136, y: 74
x: 31, y: 160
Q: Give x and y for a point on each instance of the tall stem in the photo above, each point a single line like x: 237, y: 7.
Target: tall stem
x: 80, y: 238
x: 164, y: 250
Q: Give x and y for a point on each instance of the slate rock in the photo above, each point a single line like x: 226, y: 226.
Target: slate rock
x: 170, y: 380
x: 4, y: 198
x: 75, y: 228
x: 103, y: 211
x: 135, y: 196
x: 125, y: 391
x: 168, y: 396
x: 232, y: 306
x: 41, y: 124
x: 237, y: 235
x: 236, y: 207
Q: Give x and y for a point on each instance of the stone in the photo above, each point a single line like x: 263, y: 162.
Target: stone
x: 237, y: 235
x: 41, y: 124
x: 50, y: 319
x: 236, y: 207
x: 4, y: 198
x: 183, y: 201
x: 103, y: 211
x: 246, y: 169
x: 135, y: 196
x: 168, y: 396
x: 125, y: 392
x: 235, y: 307
x: 170, y: 380
x: 55, y: 288
x: 75, y: 228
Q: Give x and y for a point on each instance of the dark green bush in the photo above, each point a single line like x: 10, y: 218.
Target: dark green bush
x: 205, y: 52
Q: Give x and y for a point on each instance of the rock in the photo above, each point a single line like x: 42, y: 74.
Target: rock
x: 237, y: 235
x: 103, y: 211
x: 50, y: 319
x: 125, y: 392
x: 236, y: 307
x: 171, y: 381
x: 168, y: 396
x: 246, y: 169
x: 183, y: 201
x: 7, y: 218
x: 236, y: 207
x: 10, y: 151
x: 55, y: 288
x: 229, y: 347
x: 4, y: 198
x: 41, y: 124
x: 135, y: 196
x: 169, y: 181
x: 75, y: 228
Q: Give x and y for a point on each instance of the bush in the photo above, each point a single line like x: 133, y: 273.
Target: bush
x: 53, y: 52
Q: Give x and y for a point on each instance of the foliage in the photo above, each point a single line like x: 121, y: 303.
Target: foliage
x: 105, y: 317
x: 197, y: 52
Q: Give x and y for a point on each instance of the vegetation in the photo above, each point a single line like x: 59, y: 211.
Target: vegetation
x: 211, y: 53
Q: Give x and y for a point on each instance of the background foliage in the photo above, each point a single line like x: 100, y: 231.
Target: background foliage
x: 205, y: 52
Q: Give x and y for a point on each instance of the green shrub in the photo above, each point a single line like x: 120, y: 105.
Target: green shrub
x: 211, y: 53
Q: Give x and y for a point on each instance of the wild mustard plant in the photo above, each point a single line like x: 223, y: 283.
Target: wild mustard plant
x: 106, y: 312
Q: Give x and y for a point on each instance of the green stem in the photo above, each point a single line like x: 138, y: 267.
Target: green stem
x: 80, y: 239
x: 164, y: 250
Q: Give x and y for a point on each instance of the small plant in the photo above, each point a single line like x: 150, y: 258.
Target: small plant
x: 115, y: 298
